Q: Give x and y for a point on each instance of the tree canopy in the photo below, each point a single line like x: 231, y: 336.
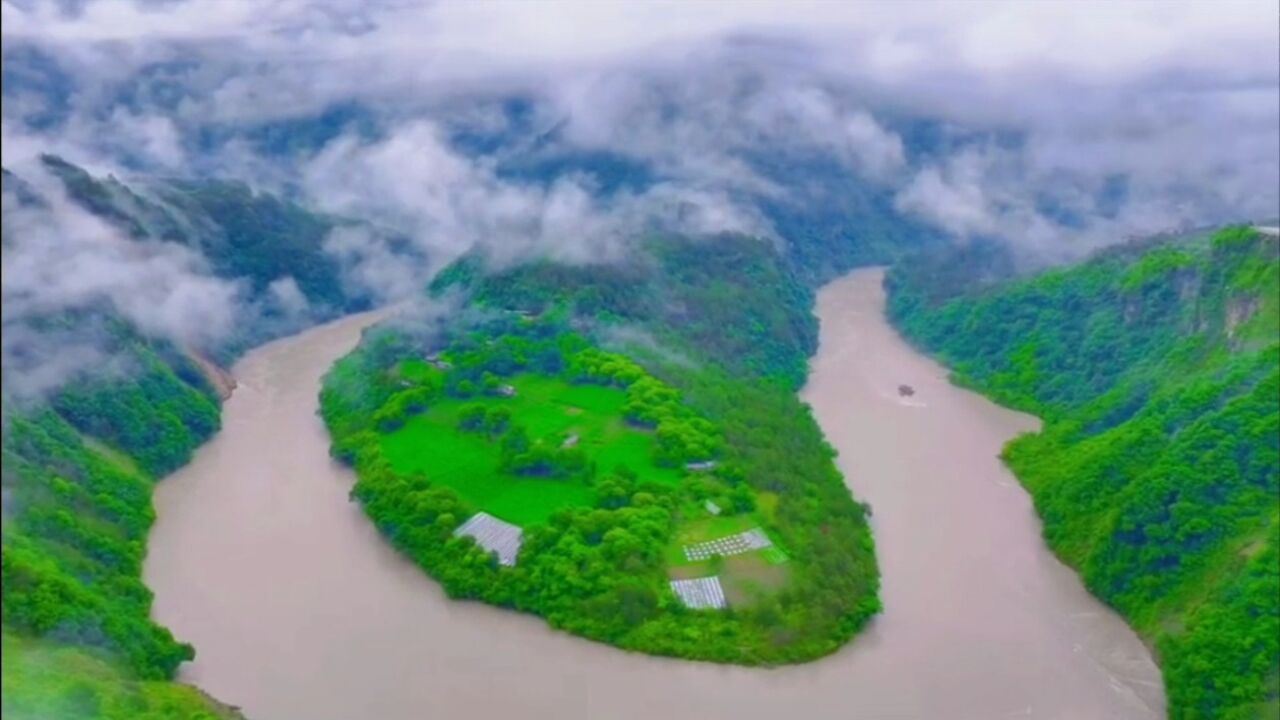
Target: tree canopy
x: 1157, y: 474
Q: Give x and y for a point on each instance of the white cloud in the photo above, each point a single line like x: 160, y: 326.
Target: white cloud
x: 980, y: 118
x: 58, y: 255
x: 287, y: 297
x: 1119, y: 85
x: 448, y: 203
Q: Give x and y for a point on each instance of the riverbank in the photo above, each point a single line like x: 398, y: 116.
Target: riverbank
x: 1157, y: 474
x: 964, y: 564
x: 776, y: 564
x: 298, y: 608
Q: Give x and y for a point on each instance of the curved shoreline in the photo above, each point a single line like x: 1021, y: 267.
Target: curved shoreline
x: 298, y: 608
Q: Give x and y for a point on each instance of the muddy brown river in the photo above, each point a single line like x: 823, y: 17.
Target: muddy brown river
x: 299, y: 611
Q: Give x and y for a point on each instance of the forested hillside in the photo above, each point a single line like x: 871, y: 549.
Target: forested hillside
x: 275, y: 247
x: 720, y: 330
x: 828, y: 221
x: 117, y: 411
x: 78, y: 472
x: 1156, y: 367
x: 729, y: 298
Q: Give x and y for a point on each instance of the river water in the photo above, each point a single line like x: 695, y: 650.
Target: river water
x: 298, y: 610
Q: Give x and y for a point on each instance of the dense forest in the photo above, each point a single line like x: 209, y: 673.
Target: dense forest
x: 77, y: 478
x: 729, y: 299
x: 1156, y: 367
x: 717, y: 327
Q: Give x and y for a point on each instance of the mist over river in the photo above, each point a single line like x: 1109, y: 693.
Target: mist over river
x: 300, y: 611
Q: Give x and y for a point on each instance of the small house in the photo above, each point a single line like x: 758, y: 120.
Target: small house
x: 496, y: 536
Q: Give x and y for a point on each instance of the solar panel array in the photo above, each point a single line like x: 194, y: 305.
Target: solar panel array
x: 746, y: 541
x: 700, y: 593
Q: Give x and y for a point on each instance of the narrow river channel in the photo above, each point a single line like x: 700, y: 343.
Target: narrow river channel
x: 299, y: 611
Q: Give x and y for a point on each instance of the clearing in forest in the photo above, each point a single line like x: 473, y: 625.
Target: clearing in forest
x: 748, y: 563
x: 550, y: 409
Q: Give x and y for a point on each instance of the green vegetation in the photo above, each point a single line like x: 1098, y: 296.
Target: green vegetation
x: 45, y: 680
x: 1157, y: 474
x: 1155, y: 367
x: 78, y: 470
x: 459, y: 442
x: 721, y: 329
x: 747, y: 578
x: 249, y: 236
x: 243, y: 234
x: 843, y: 221
x: 729, y: 300
x: 716, y: 335
x: 79, y: 463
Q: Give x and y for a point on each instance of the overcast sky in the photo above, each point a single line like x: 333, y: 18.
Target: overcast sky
x: 1172, y: 94
x: 1063, y: 125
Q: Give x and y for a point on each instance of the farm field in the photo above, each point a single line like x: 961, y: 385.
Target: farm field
x: 745, y: 577
x: 550, y: 410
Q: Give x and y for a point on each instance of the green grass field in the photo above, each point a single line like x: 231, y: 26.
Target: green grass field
x: 431, y: 443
